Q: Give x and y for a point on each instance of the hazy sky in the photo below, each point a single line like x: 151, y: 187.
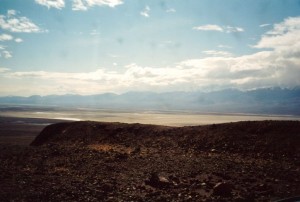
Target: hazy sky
x: 96, y: 46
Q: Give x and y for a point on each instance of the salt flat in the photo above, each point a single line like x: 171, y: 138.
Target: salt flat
x: 169, y: 118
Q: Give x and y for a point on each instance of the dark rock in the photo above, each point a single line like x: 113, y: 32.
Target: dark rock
x: 240, y: 199
x: 107, y: 188
x: 158, y: 181
x: 222, y: 189
x: 137, y: 150
x: 175, y: 179
x: 121, y: 156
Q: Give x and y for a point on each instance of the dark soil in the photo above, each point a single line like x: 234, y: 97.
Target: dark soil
x: 92, y: 161
x: 21, y: 131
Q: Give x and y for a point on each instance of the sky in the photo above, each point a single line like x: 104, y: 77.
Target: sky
x: 97, y: 46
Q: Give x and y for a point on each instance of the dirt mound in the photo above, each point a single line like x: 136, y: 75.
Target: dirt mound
x: 254, y: 138
x: 89, y: 132
x: 257, y: 138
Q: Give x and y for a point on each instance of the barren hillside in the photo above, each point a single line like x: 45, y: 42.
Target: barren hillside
x: 92, y: 161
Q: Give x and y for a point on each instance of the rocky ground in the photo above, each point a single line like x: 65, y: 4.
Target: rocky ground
x: 91, y: 161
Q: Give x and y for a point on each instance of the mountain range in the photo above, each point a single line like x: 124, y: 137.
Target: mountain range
x: 281, y: 101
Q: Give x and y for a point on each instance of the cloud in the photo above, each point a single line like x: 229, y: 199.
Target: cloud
x: 229, y: 29
x: 101, y: 80
x: 145, y: 12
x: 264, y: 25
x: 5, y: 37
x: 18, y: 40
x: 14, y: 23
x: 85, y: 4
x: 216, y: 53
x: 11, y: 12
x: 94, y: 32
x: 61, y: 82
x: 217, y: 28
x: 209, y: 28
x: 224, y: 46
x: 113, y: 55
x: 284, y: 36
x: 276, y: 63
x: 3, y: 69
x: 171, y: 10
x: 6, y: 54
x: 79, y: 5
x: 110, y: 3
x: 58, y: 4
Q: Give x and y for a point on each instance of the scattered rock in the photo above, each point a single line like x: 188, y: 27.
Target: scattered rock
x: 107, y: 188
x: 203, y: 184
x: 158, y: 181
x: 121, y: 156
x: 137, y: 150
x: 222, y: 189
x: 65, y: 168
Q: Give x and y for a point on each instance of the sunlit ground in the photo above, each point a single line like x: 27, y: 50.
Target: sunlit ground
x: 147, y: 117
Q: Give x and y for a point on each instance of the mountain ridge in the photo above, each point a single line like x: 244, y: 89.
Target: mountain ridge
x: 260, y: 101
